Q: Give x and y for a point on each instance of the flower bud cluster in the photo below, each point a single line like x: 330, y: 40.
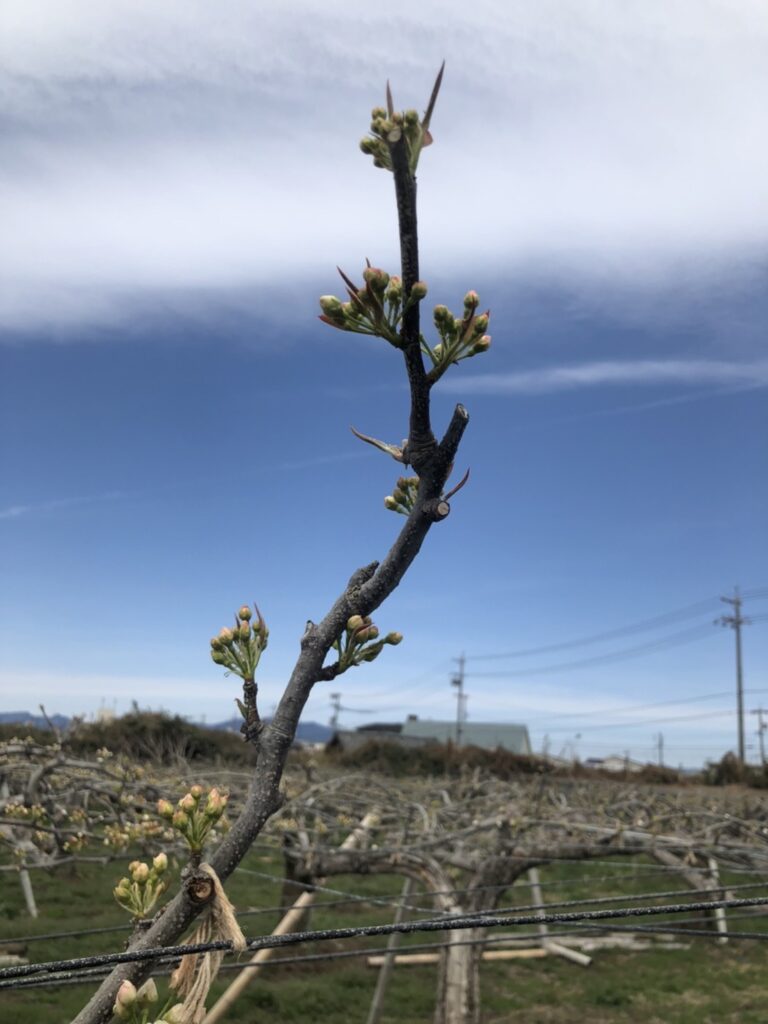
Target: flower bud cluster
x: 133, y: 1005
x: 403, y: 498
x: 360, y: 642
x: 460, y: 337
x: 140, y: 892
x: 387, y: 129
x: 195, y: 815
x: 375, y: 308
x: 240, y: 647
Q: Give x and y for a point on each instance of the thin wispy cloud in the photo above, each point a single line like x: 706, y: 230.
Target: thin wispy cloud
x: 55, y: 505
x: 152, y: 147
x: 616, y: 373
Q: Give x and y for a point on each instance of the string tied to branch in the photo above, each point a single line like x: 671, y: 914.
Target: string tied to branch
x: 196, y: 973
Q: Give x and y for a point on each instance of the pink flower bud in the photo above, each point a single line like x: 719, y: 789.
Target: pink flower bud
x: 188, y: 803
x: 165, y: 809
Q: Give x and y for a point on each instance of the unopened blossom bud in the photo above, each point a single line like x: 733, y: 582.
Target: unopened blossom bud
x: 215, y: 804
x: 147, y: 993
x: 395, y: 290
x: 180, y: 820
x: 411, y: 117
x: 418, y: 290
x: 226, y: 636
x: 377, y: 278
x: 176, y: 1014
x: 368, y: 145
x: 354, y: 623
x: 245, y: 612
x: 188, y: 803
x: 244, y: 632
x: 331, y: 306
x: 398, y: 495
x: 390, y: 503
x: 480, y: 325
x: 140, y: 873
x: 122, y: 889
x: 437, y: 351
x: 482, y: 344
x: 216, y: 644
x: 165, y: 808
x: 219, y: 657
x: 126, y: 997
x: 441, y: 314
x: 373, y: 632
x: 378, y: 114
x: 471, y: 300
x: 393, y: 638
x: 160, y: 863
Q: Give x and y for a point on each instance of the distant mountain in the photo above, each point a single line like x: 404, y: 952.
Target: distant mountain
x: 32, y: 721
x: 307, y: 732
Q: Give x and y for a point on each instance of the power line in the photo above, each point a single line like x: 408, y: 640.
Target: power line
x: 647, y: 707
x: 684, y: 636
x: 688, y: 612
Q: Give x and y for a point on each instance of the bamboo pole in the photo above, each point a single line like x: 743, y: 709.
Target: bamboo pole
x: 388, y: 960
x: 285, y: 925
x: 546, y: 943
x: 720, y: 920
x: 415, y: 959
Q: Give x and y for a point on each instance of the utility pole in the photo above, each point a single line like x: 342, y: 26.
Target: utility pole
x: 336, y: 705
x: 761, y: 727
x: 461, y: 700
x: 660, y: 748
x: 736, y: 621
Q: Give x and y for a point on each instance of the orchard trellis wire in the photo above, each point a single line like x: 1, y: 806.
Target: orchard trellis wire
x: 458, y: 922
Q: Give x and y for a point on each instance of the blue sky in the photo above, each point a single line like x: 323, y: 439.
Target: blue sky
x: 179, y: 182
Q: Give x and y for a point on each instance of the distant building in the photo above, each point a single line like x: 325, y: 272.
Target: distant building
x: 614, y: 763
x: 417, y: 732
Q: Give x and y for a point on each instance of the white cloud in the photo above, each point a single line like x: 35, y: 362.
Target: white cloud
x: 156, y: 146
x: 627, y: 372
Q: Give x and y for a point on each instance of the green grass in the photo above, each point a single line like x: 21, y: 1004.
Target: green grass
x: 705, y: 983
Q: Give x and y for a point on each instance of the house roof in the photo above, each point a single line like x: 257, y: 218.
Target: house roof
x: 488, y: 735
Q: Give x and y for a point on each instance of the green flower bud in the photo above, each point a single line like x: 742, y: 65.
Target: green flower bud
x: 216, y: 644
x: 373, y: 632
x: 378, y: 114
x: 393, y: 638
x: 245, y: 612
x: 176, y: 1014
x: 390, y: 503
x: 395, y: 290
x: 226, y: 636
x: 437, y: 351
x: 329, y: 304
x: 411, y: 117
x: 354, y: 623
x: 480, y: 326
x: 378, y: 279
x: 418, y: 290
x: 244, y: 632
x: 482, y: 344
x: 180, y: 820
x: 219, y: 657
x: 187, y: 803
x: 160, y: 863
x: 441, y: 314
x: 471, y: 300
x: 368, y: 145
